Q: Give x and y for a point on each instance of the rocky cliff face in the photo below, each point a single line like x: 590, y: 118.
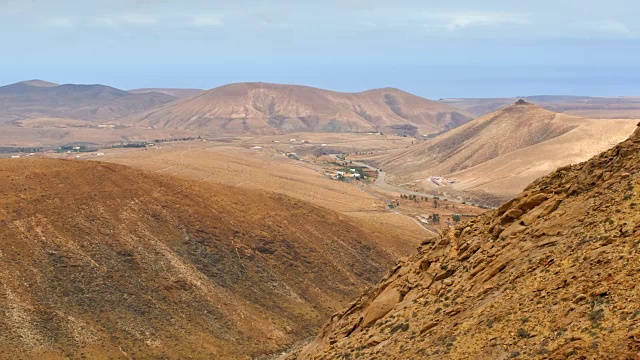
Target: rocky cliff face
x: 552, y: 274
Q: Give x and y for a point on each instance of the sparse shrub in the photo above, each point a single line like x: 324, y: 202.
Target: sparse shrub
x: 399, y: 327
x: 542, y: 351
x: 595, y: 316
x: 523, y: 334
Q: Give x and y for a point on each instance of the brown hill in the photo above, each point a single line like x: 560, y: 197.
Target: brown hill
x: 40, y: 83
x: 499, y: 154
x: 552, y: 274
x: 260, y: 108
x: 585, y: 106
x: 35, y: 99
x: 101, y: 260
x: 177, y: 93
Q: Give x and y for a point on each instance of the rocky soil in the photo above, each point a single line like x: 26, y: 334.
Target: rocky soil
x: 552, y: 274
x: 103, y: 261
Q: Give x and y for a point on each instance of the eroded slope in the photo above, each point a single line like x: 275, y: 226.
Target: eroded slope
x: 261, y: 108
x: 105, y: 261
x: 552, y: 274
x: 495, y: 157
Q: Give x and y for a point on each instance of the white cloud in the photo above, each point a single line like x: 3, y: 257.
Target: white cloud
x: 138, y: 19
x: 602, y: 28
x: 105, y: 21
x: 268, y: 19
x: 13, y: 7
x: 368, y: 24
x: 129, y: 20
x: 612, y: 27
x: 453, y: 21
x: 206, y: 21
x: 59, y: 22
x: 355, y: 4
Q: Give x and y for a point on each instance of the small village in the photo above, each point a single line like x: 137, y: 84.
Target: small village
x: 432, y: 212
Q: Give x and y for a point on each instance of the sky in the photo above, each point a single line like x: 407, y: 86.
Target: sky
x: 436, y: 49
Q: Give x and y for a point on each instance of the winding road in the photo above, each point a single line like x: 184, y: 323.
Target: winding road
x: 381, y: 182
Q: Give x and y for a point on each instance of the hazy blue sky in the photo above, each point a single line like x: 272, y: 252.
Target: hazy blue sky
x: 432, y: 48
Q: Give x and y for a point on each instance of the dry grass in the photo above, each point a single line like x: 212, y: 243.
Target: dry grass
x: 36, y: 136
x: 268, y: 170
x: 106, y: 260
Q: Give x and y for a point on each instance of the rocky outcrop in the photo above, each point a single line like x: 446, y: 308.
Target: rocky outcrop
x: 551, y: 274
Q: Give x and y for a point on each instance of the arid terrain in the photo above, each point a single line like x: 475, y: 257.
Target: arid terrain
x: 177, y: 93
x: 46, y: 133
x: 97, y: 103
x: 584, y: 106
x: 261, y: 108
x: 37, y: 113
x: 551, y: 274
x: 496, y: 156
x: 319, y: 180
x: 231, y: 223
x: 100, y: 260
x: 235, y: 163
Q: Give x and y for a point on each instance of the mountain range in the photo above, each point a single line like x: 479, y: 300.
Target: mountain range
x: 95, y: 103
x: 261, y: 108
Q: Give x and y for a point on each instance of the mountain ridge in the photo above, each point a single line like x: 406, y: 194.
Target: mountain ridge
x: 550, y: 274
x: 481, y: 154
x: 72, y: 101
x: 265, y: 108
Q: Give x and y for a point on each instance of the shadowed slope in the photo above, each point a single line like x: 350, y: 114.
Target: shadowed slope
x: 108, y: 261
